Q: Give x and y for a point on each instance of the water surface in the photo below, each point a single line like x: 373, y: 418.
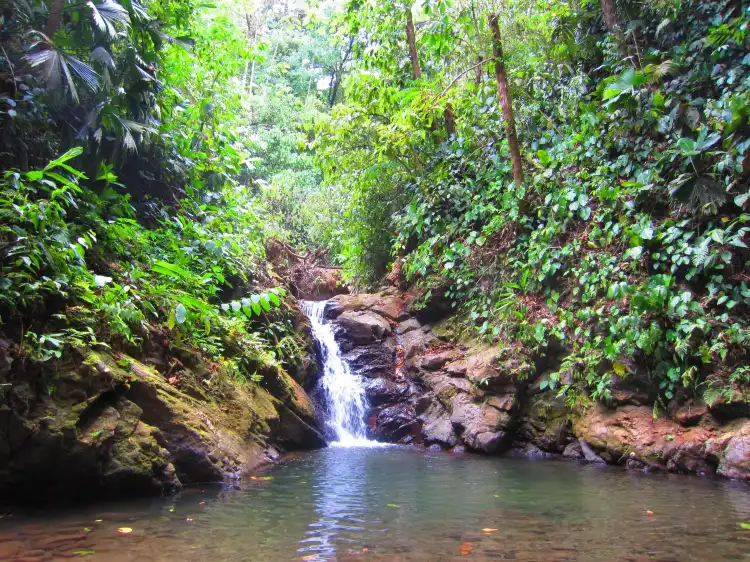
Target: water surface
x: 398, y: 504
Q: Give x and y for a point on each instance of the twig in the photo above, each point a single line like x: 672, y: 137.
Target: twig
x: 457, y: 78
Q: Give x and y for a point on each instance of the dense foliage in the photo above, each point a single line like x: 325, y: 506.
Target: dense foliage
x: 138, y: 149
x: 572, y: 180
x: 626, y: 245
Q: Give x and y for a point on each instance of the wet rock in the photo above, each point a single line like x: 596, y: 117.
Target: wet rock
x: 437, y: 427
x: 589, y: 454
x: 377, y: 360
x: 731, y: 449
x: 573, y: 451
x: 383, y: 391
x: 481, y: 426
x: 395, y: 422
x: 545, y: 424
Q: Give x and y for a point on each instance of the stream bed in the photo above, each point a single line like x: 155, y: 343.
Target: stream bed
x: 400, y: 504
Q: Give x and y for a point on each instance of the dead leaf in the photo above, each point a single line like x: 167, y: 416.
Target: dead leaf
x: 649, y: 512
x: 488, y: 530
x: 465, y: 549
x: 124, y: 530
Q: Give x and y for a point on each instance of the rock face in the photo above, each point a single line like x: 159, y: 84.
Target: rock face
x: 118, y: 427
x: 426, y: 388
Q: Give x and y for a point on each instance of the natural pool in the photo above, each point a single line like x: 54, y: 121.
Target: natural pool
x: 399, y: 504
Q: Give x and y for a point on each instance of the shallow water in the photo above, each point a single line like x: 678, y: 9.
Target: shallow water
x: 398, y: 504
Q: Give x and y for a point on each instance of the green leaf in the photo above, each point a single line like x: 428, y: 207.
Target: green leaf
x: 171, y: 270
x: 544, y: 157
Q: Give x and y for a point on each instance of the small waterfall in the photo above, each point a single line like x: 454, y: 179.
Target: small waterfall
x: 344, y: 392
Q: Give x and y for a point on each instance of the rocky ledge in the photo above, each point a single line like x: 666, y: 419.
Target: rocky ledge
x: 117, y: 426
x: 427, y: 387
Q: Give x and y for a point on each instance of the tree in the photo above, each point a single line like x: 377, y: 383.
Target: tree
x: 506, y: 103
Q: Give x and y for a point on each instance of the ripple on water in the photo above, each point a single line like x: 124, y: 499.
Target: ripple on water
x: 398, y: 504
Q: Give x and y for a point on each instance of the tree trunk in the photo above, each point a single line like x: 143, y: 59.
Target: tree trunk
x: 450, y: 120
x: 610, y: 16
x: 55, y: 17
x: 411, y: 39
x: 506, y: 103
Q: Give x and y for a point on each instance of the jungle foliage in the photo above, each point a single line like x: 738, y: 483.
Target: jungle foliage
x: 625, y: 246
x: 141, y: 147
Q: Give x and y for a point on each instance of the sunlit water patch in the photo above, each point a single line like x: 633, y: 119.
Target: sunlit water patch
x: 397, y: 504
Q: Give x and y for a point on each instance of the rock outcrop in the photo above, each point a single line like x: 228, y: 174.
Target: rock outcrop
x: 106, y: 426
x: 425, y: 387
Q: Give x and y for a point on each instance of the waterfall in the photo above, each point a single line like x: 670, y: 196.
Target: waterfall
x: 344, y: 393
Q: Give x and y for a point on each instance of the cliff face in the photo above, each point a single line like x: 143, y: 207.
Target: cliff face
x: 426, y: 386
x: 100, y: 425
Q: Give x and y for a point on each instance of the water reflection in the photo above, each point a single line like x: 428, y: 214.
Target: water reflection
x: 396, y: 504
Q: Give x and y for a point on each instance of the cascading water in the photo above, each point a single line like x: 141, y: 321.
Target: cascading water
x: 343, y: 390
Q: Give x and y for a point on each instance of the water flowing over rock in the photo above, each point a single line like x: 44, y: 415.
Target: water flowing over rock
x: 343, y: 390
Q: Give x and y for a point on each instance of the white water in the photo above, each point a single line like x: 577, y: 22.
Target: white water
x: 345, y: 398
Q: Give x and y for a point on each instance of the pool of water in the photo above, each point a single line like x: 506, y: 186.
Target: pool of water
x: 398, y: 504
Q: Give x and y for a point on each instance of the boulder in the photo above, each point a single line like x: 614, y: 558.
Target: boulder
x: 376, y: 360
x: 482, y: 427
x: 395, y: 422
x: 658, y: 443
x: 360, y: 328
x: 731, y: 448
x: 494, y: 369
x: 415, y: 342
x: 383, y: 391
x: 437, y: 428
x: 545, y: 423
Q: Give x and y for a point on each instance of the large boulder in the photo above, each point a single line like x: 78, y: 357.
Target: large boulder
x: 482, y: 427
x: 545, y: 423
x: 631, y: 432
x: 376, y: 360
x: 394, y: 423
x: 381, y: 391
x: 360, y: 328
x: 731, y: 448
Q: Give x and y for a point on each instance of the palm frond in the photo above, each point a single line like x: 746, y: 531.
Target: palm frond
x: 102, y: 55
x: 107, y: 15
x: 53, y: 65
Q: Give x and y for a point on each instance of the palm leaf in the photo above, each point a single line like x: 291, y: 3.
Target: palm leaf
x: 107, y: 15
x: 102, y: 55
x: 54, y: 64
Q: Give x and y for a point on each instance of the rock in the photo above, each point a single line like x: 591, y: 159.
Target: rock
x: 495, y: 369
x: 732, y: 450
x: 690, y: 413
x: 407, y: 326
x: 545, y: 424
x: 395, y: 422
x: 573, y: 451
x: 383, y: 391
x: 659, y: 443
x: 436, y: 361
x: 9, y: 549
x: 119, y: 428
x: 389, y: 304
x: 415, y: 342
x: 481, y: 426
x: 456, y: 369
x: 589, y: 454
x: 377, y: 360
x: 360, y: 328
x: 437, y: 427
